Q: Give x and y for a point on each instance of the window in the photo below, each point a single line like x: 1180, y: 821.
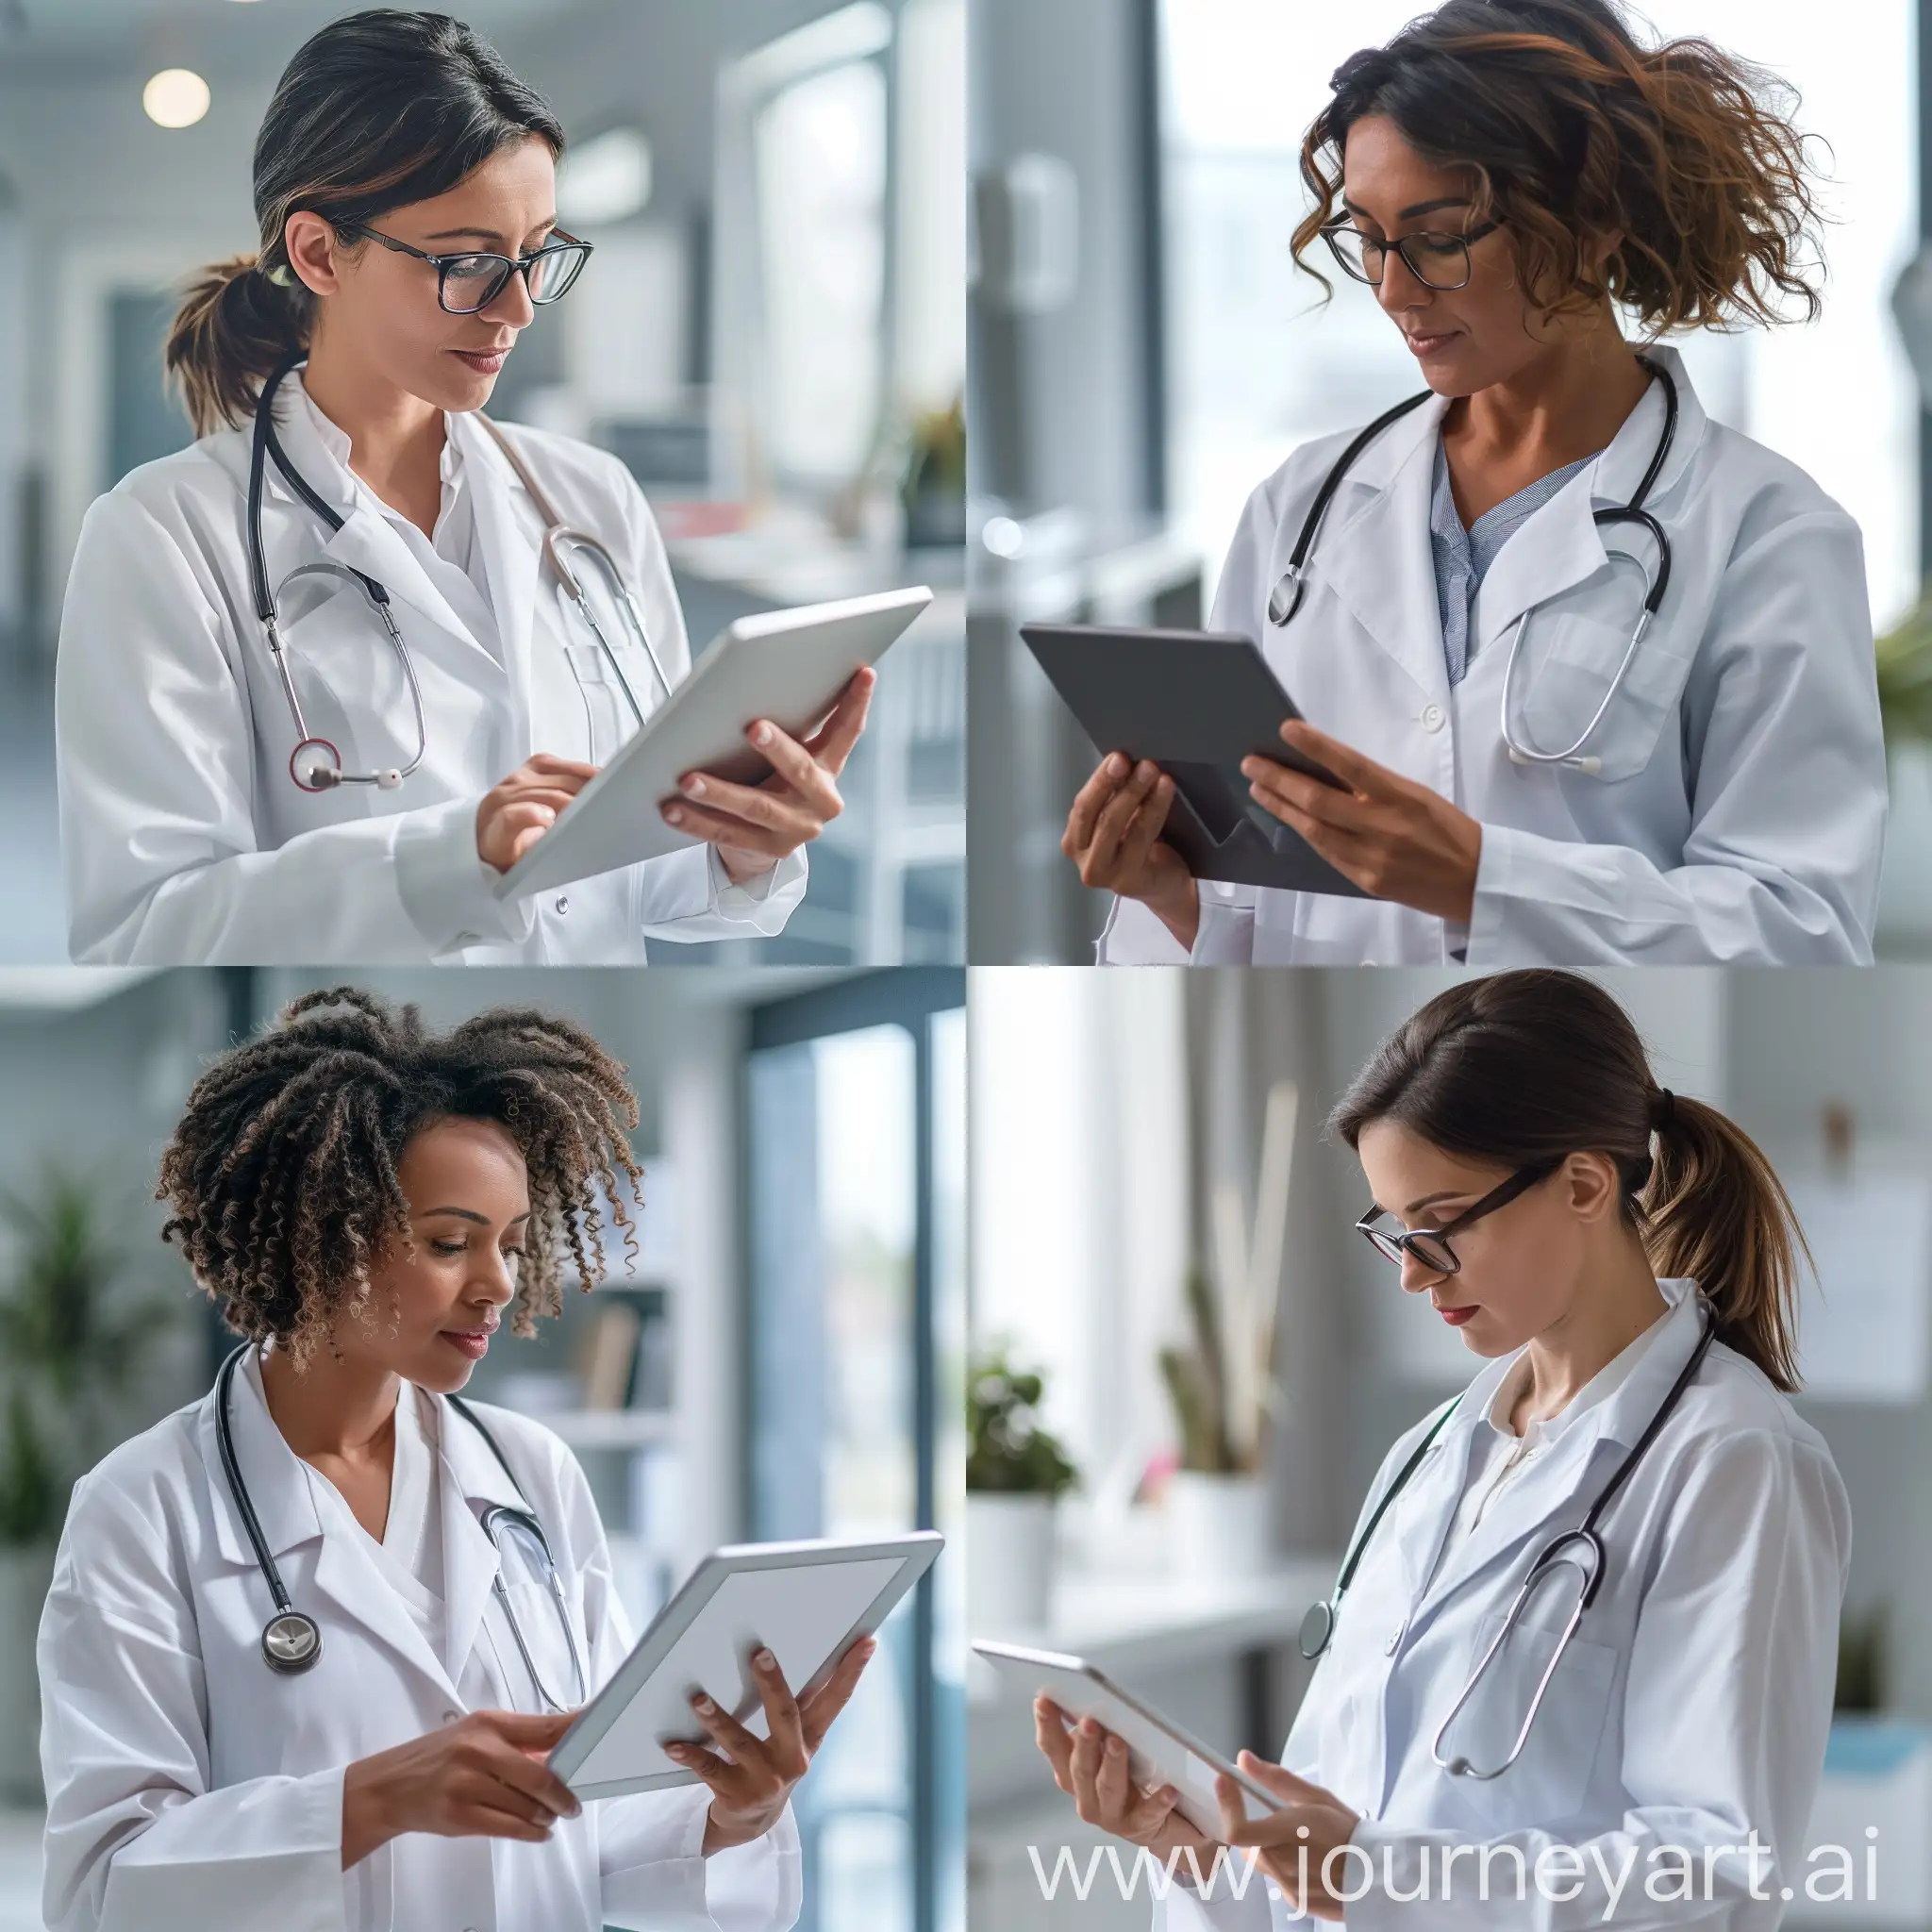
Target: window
x: 856, y: 1176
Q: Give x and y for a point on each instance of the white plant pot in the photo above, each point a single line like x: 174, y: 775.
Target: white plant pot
x: 1217, y: 1526
x: 1010, y: 1563
x: 25, y: 1576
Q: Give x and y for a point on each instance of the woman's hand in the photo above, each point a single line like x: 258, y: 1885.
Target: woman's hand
x: 482, y: 1776
x: 1284, y: 1854
x: 518, y: 812
x: 1090, y: 1764
x: 1393, y: 838
x: 1113, y: 835
x: 754, y: 827
x: 751, y: 1779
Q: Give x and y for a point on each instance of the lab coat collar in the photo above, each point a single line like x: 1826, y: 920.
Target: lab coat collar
x: 508, y: 527
x: 346, y: 1581
x: 1562, y: 544
x: 367, y: 542
x: 1553, y: 1492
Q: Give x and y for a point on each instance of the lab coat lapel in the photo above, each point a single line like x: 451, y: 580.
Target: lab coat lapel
x: 508, y: 528
x: 1374, y: 547
x: 1420, y: 1517
x: 344, y: 1585
x: 472, y: 1480
x: 1561, y: 545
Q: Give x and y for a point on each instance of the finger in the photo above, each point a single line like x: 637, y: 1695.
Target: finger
x: 1272, y: 784
x: 739, y: 1743
x: 527, y: 1732
x: 1113, y: 1786
x: 1359, y: 774
x: 1150, y: 1810
x: 555, y: 796
x: 723, y: 1776
x: 1108, y: 778
x: 831, y: 744
x: 1282, y: 1781
x: 782, y: 1719
x: 479, y: 1819
x: 522, y: 825
x: 1089, y: 1740
x: 1149, y: 821
x: 551, y: 765
x: 789, y: 760
x: 822, y: 1705
x: 530, y: 1779
x: 1050, y: 1733
x: 817, y: 797
x: 720, y: 828
x: 1101, y: 859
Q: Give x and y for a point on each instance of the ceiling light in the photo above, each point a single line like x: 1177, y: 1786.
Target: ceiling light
x: 176, y: 98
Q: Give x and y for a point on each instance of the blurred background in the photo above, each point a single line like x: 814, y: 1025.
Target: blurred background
x: 1144, y: 352
x: 1146, y: 1148
x: 782, y: 1357
x: 772, y: 336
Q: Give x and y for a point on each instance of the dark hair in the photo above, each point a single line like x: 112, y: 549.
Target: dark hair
x: 1575, y: 133
x: 282, y: 1173
x: 1535, y: 1065
x: 375, y: 111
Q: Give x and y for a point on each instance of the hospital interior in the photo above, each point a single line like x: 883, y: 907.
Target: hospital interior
x: 781, y: 1357
x: 1146, y: 353
x: 1121, y: 1131
x: 771, y: 338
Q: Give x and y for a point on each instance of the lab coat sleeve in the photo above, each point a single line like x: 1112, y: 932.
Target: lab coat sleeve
x: 135, y: 1838
x: 157, y: 774
x: 1724, y: 1724
x: 1788, y: 779
x: 655, y: 1875
x: 1135, y: 936
x: 688, y: 895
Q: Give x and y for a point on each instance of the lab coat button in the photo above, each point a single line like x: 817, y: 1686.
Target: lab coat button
x: 1433, y: 718
x: 562, y: 903
x: 449, y: 1717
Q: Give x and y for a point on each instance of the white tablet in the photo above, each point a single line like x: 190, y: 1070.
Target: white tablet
x: 789, y: 666
x: 807, y: 1602
x: 1158, y: 1751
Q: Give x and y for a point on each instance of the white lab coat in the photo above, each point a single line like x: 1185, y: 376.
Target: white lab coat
x: 1691, y: 1706
x: 185, y: 839
x: 189, y: 1786
x: 1740, y: 811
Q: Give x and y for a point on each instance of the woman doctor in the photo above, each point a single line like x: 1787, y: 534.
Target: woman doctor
x: 364, y: 1199
x: 1580, y: 1227
x: 1509, y: 175
x: 400, y: 171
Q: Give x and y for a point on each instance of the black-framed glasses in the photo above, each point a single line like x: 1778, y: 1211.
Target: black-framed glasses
x: 1430, y: 1245
x: 468, y: 282
x: 1438, y: 260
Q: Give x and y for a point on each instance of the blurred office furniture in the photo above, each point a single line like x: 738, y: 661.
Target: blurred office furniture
x: 1874, y: 1806
x: 856, y: 1176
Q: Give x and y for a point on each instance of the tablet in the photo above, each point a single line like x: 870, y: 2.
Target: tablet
x: 1197, y: 702
x: 807, y: 1602
x: 1158, y: 1751
x: 789, y: 666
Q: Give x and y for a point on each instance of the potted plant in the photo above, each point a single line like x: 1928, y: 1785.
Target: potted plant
x: 71, y: 1341
x: 1015, y: 1473
x: 1221, y: 1381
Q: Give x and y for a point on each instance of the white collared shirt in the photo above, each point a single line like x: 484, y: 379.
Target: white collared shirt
x: 1499, y: 1453
x: 451, y: 558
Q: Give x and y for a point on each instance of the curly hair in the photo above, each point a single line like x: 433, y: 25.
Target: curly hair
x: 282, y: 1173
x: 1681, y: 159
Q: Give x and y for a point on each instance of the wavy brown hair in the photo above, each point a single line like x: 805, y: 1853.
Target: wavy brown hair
x: 1534, y: 1065
x: 282, y: 1173
x: 1680, y: 161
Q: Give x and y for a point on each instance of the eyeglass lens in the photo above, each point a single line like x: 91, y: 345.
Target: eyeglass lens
x: 1438, y: 260
x: 470, y: 282
x: 1427, y: 1248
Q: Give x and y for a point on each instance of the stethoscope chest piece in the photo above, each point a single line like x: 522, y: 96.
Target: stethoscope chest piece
x: 1318, y: 1626
x: 290, y: 1643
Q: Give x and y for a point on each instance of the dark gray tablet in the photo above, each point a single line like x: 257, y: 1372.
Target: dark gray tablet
x: 1197, y: 704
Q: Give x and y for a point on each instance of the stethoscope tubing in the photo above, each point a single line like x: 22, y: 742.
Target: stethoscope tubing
x: 1286, y: 597
x: 1559, y: 1552
x: 323, y: 770
x: 291, y: 1639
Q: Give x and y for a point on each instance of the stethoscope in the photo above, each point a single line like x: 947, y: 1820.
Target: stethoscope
x: 1286, y: 598
x: 315, y: 765
x: 1580, y: 1550
x: 292, y: 1639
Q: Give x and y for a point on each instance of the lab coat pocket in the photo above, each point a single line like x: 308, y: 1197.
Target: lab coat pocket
x: 348, y: 676
x: 1551, y: 1778
x: 1568, y: 665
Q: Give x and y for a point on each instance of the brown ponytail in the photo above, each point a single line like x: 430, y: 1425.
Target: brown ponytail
x: 1681, y: 158
x: 378, y: 110
x: 1530, y: 1066
x: 234, y: 327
